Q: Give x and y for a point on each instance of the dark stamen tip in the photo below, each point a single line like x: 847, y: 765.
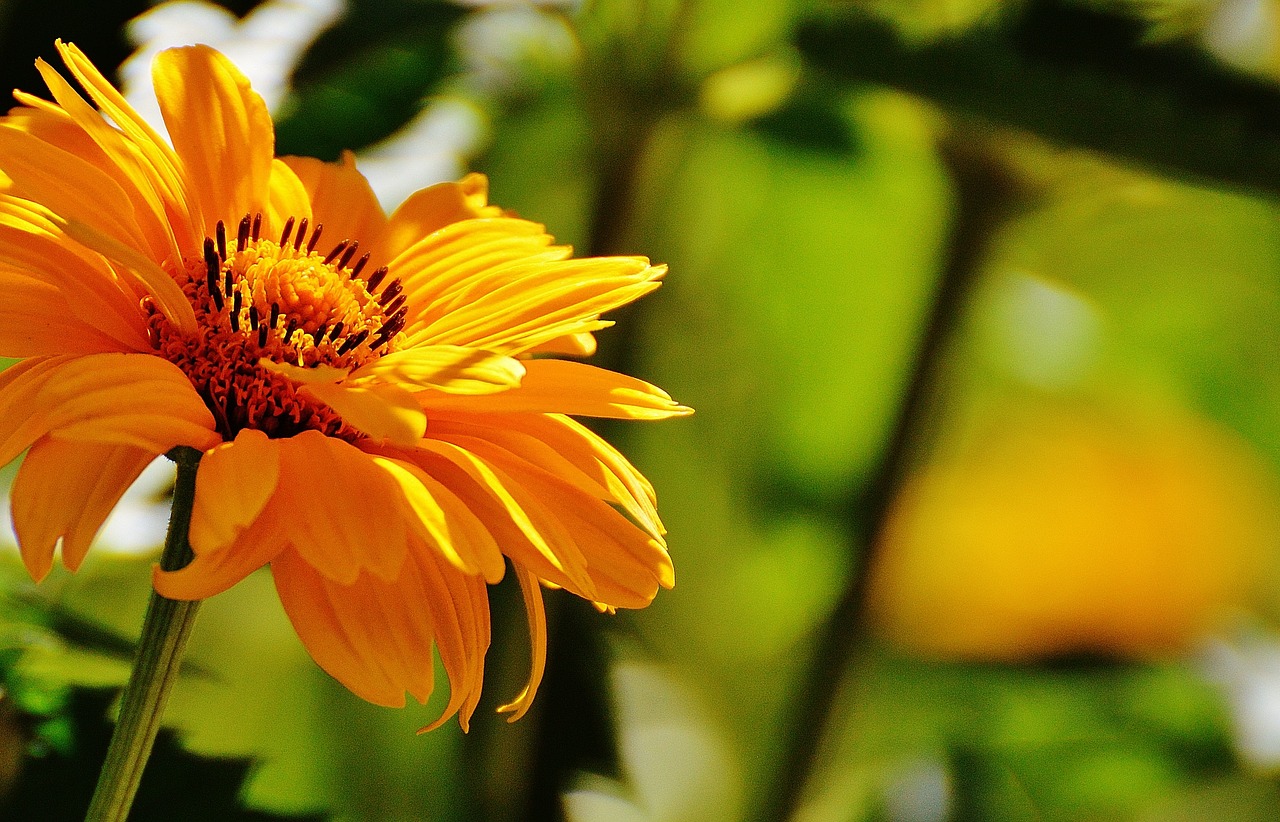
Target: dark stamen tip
x: 302, y: 234
x: 288, y: 230
x: 390, y: 292
x: 262, y: 336
x: 242, y: 235
x: 352, y: 342
x: 376, y: 278
x: 222, y: 239
x: 336, y: 332
x: 348, y: 254
x: 337, y: 249
x: 315, y: 237
x: 253, y: 317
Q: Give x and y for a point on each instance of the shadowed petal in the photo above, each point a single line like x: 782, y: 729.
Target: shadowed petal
x: 234, y: 482
x: 537, y: 619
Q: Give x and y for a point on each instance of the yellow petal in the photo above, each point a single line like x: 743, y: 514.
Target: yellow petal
x: 582, y: 344
x: 562, y: 447
x: 524, y: 528
x: 537, y: 618
x: 383, y: 412
x: 443, y: 523
x: 184, y: 213
x: 221, y: 130
x: 288, y: 197
x: 65, y: 491
x: 566, y: 387
x: 431, y: 209
x: 519, y: 307
x: 345, y: 514
x: 449, y: 368
x: 313, y: 375
x: 233, y: 484
x: 343, y: 202
x: 121, y: 399
x: 134, y: 172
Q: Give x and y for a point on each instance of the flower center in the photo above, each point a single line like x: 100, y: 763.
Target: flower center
x: 282, y: 301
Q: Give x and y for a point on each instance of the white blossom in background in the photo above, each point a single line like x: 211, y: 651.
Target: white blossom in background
x: 1247, y: 668
x: 267, y: 45
x: 137, y: 524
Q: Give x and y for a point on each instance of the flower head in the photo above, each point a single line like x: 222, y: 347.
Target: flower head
x: 382, y: 416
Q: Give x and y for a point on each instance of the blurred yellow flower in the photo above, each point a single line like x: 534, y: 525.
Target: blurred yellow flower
x: 374, y: 424
x: 1068, y: 531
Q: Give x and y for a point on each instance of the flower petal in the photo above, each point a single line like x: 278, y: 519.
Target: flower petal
x: 384, y: 412
x: 214, y: 571
x: 288, y: 197
x: 65, y: 490
x: 343, y: 202
x: 35, y: 320
x: 460, y: 610
x: 519, y: 520
x: 537, y: 617
x: 444, y: 523
x: 234, y: 482
x: 435, y: 207
x: 519, y: 307
x: 345, y: 514
x: 566, y: 387
x: 374, y: 636
x: 220, y: 129
x: 121, y: 399
x: 452, y: 369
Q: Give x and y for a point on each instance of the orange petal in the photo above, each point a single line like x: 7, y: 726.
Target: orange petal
x: 133, y: 169
x: 566, y: 387
x: 33, y: 243
x: 384, y: 412
x: 449, y: 368
x: 521, y: 522
x: 120, y: 399
x: 373, y: 636
x: 626, y: 565
x: 221, y: 130
x: 184, y: 214
x: 460, y: 611
x: 35, y: 320
x: 537, y: 618
x: 562, y: 447
x: 233, y: 484
x: 65, y: 490
x: 444, y: 523
x: 343, y: 202
x: 212, y: 572
x: 345, y: 514
x: 431, y: 209
x: 288, y: 197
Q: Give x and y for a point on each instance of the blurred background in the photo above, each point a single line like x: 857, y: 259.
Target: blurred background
x: 979, y: 516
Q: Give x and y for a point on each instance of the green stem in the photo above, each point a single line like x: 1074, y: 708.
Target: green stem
x: 165, y: 630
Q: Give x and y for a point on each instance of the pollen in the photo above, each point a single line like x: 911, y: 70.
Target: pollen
x: 284, y: 301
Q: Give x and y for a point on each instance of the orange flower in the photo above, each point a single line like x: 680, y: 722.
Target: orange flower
x: 375, y: 426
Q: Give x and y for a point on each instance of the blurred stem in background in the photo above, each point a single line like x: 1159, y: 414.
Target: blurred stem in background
x: 985, y: 196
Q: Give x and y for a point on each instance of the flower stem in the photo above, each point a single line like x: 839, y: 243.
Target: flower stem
x: 165, y: 630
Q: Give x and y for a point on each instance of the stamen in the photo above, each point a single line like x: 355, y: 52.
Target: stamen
x: 288, y: 229
x: 376, y: 278
x: 395, y: 305
x: 360, y: 264
x: 352, y: 342
x: 290, y: 328
x: 222, y: 240
x: 257, y: 226
x: 228, y: 288
x: 262, y: 336
x: 213, y: 267
x: 302, y: 234
x: 275, y: 313
x: 253, y: 317
x: 318, y: 334
x: 337, y: 249
x: 337, y: 331
x: 391, y: 291
x: 242, y: 235
x: 315, y: 237
x: 350, y: 252
x: 235, y: 311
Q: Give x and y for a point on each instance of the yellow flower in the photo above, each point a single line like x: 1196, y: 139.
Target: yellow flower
x: 375, y: 426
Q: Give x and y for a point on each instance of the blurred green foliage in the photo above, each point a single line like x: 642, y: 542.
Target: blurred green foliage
x: 774, y: 158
